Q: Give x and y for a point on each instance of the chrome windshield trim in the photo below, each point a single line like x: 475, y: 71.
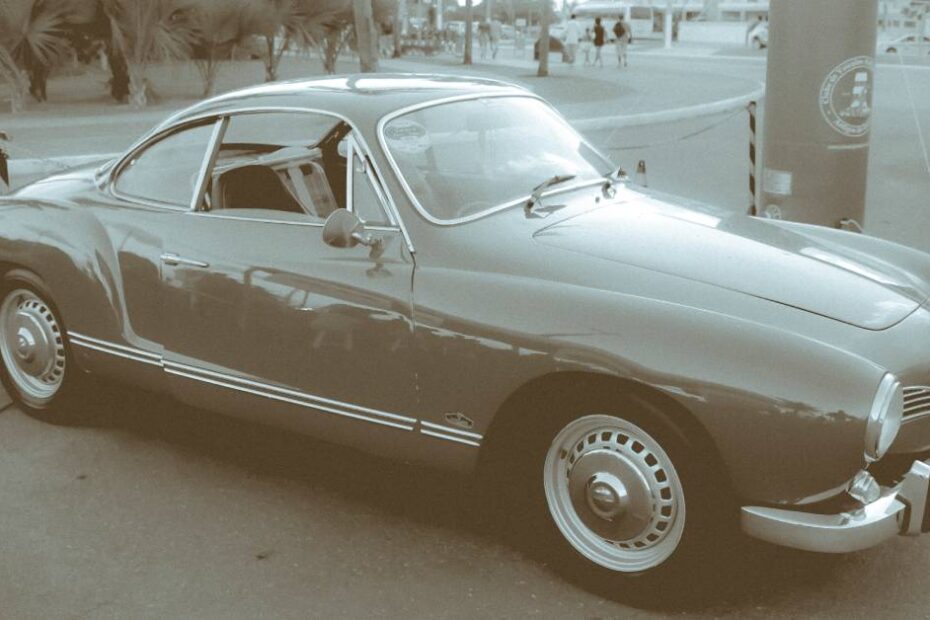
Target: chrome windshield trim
x: 213, y: 150
x: 171, y: 124
x: 421, y: 210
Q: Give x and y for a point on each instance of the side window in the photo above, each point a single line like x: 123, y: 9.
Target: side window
x: 366, y: 202
x: 280, y: 161
x: 167, y: 170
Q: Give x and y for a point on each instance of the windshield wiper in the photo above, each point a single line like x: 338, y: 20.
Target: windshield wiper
x: 539, y: 189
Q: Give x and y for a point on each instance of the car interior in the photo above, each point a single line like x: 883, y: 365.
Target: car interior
x: 290, y: 178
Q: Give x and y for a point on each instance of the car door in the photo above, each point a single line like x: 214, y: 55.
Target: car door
x: 150, y: 187
x: 266, y: 320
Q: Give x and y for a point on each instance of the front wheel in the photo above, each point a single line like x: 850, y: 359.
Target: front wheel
x: 619, y: 495
x: 614, y: 494
x: 37, y: 371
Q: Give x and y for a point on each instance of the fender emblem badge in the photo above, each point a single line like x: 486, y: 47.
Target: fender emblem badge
x: 459, y: 419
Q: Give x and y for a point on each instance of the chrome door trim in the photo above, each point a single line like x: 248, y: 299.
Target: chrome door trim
x: 280, y: 393
x: 213, y: 150
x: 170, y: 258
x: 130, y: 353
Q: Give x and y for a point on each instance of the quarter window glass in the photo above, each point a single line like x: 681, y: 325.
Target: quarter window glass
x: 365, y: 201
x: 167, y: 171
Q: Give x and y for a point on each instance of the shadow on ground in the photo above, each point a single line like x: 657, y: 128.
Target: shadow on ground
x: 745, y: 576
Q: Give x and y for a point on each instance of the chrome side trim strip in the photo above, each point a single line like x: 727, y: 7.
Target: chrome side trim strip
x: 448, y: 429
x: 291, y: 400
x: 467, y: 442
x: 289, y: 392
x: 279, y: 393
x: 138, y: 355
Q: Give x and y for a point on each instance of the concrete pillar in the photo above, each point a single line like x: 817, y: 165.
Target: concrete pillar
x: 818, y: 110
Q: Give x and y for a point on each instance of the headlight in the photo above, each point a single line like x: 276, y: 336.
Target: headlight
x: 884, y: 418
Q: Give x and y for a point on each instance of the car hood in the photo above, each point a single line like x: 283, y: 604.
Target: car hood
x: 830, y: 275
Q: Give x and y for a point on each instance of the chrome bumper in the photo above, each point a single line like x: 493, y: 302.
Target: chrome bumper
x: 901, y: 510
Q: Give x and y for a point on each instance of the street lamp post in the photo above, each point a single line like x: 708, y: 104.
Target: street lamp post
x: 818, y: 110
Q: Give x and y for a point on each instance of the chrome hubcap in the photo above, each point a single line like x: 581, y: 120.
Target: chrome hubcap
x: 614, y: 493
x: 31, y: 346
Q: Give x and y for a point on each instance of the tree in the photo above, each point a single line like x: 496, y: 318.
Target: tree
x: 282, y: 23
x: 147, y: 31
x: 33, y: 36
x: 366, y: 36
x: 469, y: 19
x: 220, y: 27
x: 400, y: 14
x: 544, y: 38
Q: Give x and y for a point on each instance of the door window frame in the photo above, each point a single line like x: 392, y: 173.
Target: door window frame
x: 221, y: 121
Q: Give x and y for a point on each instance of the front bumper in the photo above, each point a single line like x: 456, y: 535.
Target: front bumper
x: 901, y: 510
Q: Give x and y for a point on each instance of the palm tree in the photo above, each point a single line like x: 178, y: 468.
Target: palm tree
x: 366, y: 35
x: 220, y: 27
x: 282, y: 23
x: 147, y: 31
x: 33, y: 36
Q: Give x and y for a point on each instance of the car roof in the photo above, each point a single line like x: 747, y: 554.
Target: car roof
x: 359, y: 97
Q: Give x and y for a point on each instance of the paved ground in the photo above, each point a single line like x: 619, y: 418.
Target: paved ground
x: 155, y: 510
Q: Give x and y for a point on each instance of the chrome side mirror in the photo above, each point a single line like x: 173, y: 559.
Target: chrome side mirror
x: 343, y: 229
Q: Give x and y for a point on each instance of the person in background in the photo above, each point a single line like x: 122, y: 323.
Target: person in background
x: 484, y: 38
x: 751, y: 27
x: 572, y: 38
x: 600, y: 37
x: 495, y: 36
x: 622, y: 41
x: 585, y: 46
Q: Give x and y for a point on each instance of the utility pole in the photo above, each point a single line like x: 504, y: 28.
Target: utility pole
x: 439, y: 12
x: 545, y: 10
x: 469, y: 18
x: 818, y: 110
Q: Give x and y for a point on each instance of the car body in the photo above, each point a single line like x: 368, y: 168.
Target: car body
x: 907, y: 44
x: 365, y: 259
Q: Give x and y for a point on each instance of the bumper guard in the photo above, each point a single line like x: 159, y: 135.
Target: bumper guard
x: 900, y: 510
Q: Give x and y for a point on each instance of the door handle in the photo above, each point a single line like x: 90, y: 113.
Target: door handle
x: 170, y: 258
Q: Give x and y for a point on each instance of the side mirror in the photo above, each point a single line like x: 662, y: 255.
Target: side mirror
x: 343, y: 229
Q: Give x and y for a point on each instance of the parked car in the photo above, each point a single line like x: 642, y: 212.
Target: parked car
x: 555, y: 47
x: 442, y: 270
x: 905, y: 44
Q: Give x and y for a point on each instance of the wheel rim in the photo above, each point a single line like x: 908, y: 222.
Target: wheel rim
x: 32, y: 346
x: 614, y: 494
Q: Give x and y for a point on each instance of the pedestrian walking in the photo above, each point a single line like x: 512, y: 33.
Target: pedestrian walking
x: 572, y: 39
x: 484, y: 38
x: 622, y: 41
x: 495, y: 36
x: 585, y: 46
x: 600, y: 37
x: 751, y: 27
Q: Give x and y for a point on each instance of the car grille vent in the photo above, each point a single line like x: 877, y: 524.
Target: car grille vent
x: 916, y: 400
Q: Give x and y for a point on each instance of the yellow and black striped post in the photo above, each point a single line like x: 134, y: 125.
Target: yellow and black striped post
x: 752, y: 157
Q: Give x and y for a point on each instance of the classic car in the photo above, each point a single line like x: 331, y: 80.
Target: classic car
x: 442, y: 270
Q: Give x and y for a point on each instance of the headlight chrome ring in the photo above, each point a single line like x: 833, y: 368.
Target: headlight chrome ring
x: 884, y: 418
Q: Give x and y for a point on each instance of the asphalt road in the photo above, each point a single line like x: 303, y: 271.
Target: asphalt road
x: 150, y: 509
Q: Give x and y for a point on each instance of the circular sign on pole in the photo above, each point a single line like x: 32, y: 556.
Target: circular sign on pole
x: 845, y: 97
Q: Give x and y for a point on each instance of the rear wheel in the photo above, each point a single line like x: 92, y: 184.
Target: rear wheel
x: 37, y: 371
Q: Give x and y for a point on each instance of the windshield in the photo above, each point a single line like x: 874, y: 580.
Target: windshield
x: 466, y: 158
